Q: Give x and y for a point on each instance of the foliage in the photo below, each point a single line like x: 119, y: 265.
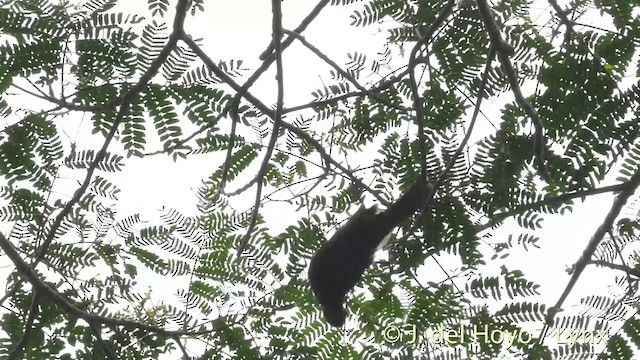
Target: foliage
x: 75, y: 294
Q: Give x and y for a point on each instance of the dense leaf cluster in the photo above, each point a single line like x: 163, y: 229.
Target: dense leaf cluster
x: 142, y: 80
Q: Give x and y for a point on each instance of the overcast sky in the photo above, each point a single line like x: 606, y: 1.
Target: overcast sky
x: 229, y: 32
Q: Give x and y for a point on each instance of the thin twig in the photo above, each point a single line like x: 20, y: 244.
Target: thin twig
x: 345, y: 74
x: 277, y: 122
x: 591, y: 247
x: 303, y: 25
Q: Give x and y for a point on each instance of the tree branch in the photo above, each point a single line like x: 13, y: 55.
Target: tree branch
x: 591, y: 247
x: 505, y: 50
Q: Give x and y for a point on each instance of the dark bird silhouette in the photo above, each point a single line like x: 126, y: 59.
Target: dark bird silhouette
x: 340, y: 262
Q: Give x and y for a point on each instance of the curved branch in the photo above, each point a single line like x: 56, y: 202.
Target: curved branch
x: 505, y: 50
x: 127, y: 100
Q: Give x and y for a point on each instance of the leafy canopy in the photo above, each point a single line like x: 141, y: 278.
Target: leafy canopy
x: 77, y: 283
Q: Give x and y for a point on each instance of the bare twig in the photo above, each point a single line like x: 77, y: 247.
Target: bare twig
x: 562, y: 14
x: 183, y: 349
x: 375, y: 89
x: 591, y: 247
x: 346, y: 75
x: 277, y: 121
x: 303, y: 25
x: 62, y: 103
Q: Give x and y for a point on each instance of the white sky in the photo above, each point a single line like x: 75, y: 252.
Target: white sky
x: 227, y: 35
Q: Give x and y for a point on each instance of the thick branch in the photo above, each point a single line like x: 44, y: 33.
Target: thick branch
x: 44, y: 290
x: 504, y: 51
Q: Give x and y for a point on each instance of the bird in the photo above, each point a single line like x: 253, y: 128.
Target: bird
x: 337, y: 266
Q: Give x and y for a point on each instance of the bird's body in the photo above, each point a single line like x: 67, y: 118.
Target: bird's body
x: 340, y: 262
